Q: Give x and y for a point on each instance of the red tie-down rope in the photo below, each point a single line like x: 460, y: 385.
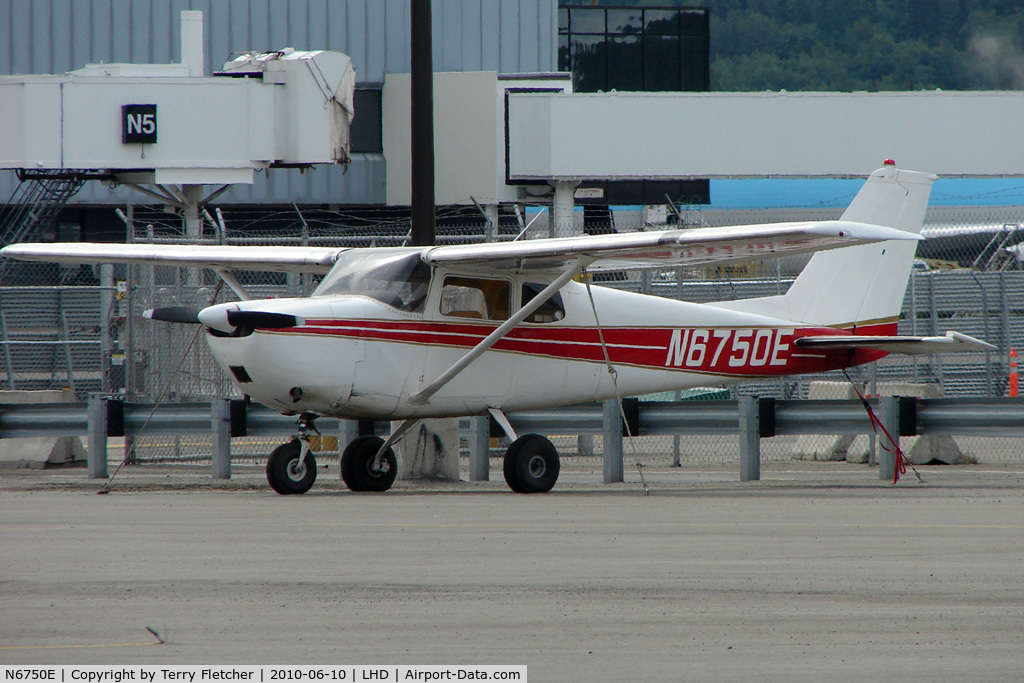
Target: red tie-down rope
x: 900, y: 466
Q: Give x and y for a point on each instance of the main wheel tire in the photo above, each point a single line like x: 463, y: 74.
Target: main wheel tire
x: 284, y: 473
x: 357, y: 465
x: 531, y: 464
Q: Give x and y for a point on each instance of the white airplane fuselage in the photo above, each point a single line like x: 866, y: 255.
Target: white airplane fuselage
x: 354, y: 356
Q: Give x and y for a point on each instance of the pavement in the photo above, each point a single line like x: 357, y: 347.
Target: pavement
x: 818, y: 570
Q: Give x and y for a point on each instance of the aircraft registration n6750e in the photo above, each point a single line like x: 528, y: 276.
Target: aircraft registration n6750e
x: 405, y: 334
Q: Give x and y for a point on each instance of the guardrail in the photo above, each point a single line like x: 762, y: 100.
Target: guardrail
x: 750, y: 418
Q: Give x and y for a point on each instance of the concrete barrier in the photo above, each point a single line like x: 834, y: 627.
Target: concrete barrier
x: 918, y: 449
x: 40, y: 452
x: 819, y: 446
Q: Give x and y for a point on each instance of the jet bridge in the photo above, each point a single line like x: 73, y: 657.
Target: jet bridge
x: 168, y: 130
x: 167, y: 123
x: 624, y: 136
x: 529, y: 138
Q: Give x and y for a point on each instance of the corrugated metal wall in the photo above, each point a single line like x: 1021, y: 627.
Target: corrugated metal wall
x: 56, y: 36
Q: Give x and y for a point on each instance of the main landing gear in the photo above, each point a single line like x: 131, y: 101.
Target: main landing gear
x: 362, y: 470
x: 531, y: 464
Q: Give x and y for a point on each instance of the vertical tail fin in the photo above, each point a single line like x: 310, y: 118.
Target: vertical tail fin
x: 862, y: 286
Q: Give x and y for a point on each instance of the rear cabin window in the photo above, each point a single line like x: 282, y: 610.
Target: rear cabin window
x: 550, y: 311
x: 476, y: 298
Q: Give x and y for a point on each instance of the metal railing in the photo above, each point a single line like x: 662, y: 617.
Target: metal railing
x: 56, y: 337
x: 750, y: 418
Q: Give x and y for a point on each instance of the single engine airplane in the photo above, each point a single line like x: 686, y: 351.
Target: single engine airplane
x: 404, y: 334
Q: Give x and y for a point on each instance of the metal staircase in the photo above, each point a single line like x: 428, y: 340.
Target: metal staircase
x: 36, y: 202
x: 995, y: 256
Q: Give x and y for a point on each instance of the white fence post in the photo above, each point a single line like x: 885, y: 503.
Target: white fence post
x: 221, y: 444
x: 96, y: 460
x: 889, y: 409
x: 348, y: 430
x: 480, y: 448
x: 750, y: 438
x: 613, y: 468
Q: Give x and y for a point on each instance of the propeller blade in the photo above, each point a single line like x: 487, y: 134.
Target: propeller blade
x: 173, y: 314
x: 262, y: 320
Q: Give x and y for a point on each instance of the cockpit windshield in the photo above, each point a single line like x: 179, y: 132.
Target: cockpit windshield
x: 396, y: 279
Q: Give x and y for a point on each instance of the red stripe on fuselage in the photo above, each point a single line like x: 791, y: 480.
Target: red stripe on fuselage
x: 723, y: 350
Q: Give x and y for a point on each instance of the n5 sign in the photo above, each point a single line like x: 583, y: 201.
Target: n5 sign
x: 138, y: 123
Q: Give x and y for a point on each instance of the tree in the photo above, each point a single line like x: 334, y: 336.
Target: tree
x: 879, y: 45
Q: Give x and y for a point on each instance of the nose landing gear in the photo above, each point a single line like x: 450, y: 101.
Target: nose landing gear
x: 291, y: 467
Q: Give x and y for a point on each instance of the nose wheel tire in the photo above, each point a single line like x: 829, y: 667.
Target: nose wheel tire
x: 531, y: 465
x: 357, y: 466
x: 286, y: 474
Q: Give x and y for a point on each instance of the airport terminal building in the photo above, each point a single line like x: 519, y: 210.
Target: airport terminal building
x: 655, y: 46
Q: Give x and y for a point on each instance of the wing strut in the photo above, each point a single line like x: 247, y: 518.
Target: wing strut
x: 231, y: 281
x: 423, y: 395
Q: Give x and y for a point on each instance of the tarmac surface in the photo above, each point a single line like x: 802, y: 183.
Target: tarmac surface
x: 818, y: 570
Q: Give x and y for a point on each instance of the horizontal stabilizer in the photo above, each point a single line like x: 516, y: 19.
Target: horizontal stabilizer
x: 953, y: 342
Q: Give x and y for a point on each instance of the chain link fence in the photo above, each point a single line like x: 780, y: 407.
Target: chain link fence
x: 81, y: 328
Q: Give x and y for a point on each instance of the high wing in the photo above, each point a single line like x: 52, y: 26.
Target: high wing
x: 700, y: 246
x: 218, y: 257
x: 662, y: 249
x: 953, y: 342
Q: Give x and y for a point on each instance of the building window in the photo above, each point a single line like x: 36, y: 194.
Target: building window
x: 634, y: 48
x: 366, y: 126
x: 608, y: 46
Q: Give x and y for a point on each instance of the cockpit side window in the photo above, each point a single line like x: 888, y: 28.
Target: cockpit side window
x: 477, y: 298
x: 550, y: 311
x: 398, y: 280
